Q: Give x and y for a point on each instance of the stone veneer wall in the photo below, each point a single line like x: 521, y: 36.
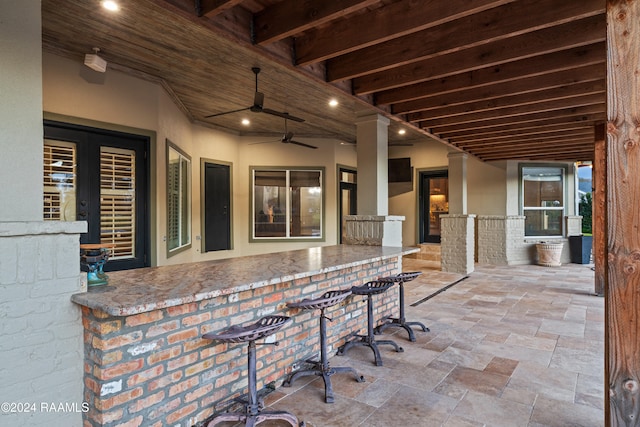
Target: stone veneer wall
x: 457, y: 243
x: 154, y: 369
x: 41, y: 345
x: 373, y: 230
x: 501, y: 240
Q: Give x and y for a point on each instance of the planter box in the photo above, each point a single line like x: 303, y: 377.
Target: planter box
x: 549, y: 254
x: 580, y: 249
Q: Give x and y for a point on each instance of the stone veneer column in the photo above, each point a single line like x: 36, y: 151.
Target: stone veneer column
x: 457, y: 243
x: 501, y: 240
x: 42, y: 334
x: 374, y: 230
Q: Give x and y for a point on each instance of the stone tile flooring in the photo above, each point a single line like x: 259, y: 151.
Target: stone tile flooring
x: 508, y: 346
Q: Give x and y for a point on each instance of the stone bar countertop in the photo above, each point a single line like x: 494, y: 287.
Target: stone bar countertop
x: 140, y: 290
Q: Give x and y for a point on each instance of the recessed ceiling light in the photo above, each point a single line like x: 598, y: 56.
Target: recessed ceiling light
x: 402, y: 131
x: 110, y: 5
x: 246, y: 122
x: 333, y: 102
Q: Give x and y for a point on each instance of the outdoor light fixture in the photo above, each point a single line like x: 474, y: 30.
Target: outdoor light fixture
x: 95, y: 62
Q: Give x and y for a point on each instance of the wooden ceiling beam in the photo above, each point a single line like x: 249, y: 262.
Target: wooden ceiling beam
x: 517, y: 140
x: 557, y: 146
x: 532, y: 99
x: 562, y: 37
x: 518, y: 130
x: 547, y: 106
x: 546, y: 123
x: 486, y: 123
x: 509, y: 20
x: 576, y: 150
x: 383, y: 24
x: 289, y: 17
x: 577, y: 156
x: 539, y: 84
x: 540, y: 65
x: 212, y: 8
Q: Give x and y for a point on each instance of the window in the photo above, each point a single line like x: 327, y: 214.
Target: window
x: 117, y: 200
x: 59, y: 181
x: 543, y: 200
x: 287, y: 203
x: 178, y: 200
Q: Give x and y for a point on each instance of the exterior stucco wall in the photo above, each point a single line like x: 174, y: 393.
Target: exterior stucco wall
x: 117, y: 101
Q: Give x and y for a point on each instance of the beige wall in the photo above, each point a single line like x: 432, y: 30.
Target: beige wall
x: 114, y: 99
x: 117, y: 101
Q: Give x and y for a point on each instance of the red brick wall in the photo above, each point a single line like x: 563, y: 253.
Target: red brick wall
x: 154, y: 369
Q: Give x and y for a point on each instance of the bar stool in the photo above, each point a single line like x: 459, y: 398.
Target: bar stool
x: 370, y: 289
x: 401, y: 321
x: 253, y: 413
x: 322, y: 367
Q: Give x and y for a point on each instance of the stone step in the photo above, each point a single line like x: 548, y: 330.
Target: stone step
x: 430, y: 253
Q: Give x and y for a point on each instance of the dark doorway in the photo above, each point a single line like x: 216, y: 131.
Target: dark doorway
x: 217, y: 207
x: 100, y: 176
x: 434, y: 202
x: 348, y: 197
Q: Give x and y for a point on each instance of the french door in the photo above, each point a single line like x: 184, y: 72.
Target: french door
x: 348, y: 197
x: 101, y: 177
x: 217, y: 207
x: 434, y: 202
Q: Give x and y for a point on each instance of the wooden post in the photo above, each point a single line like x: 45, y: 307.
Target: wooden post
x: 599, y: 210
x: 622, y: 293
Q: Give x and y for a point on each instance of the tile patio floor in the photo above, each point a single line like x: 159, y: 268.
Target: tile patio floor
x: 508, y: 346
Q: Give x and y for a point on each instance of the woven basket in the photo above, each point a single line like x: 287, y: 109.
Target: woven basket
x: 549, y: 254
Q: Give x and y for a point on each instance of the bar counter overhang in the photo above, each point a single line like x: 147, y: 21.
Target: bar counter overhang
x: 144, y: 355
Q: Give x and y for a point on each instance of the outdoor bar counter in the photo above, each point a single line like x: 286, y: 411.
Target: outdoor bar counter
x: 146, y: 362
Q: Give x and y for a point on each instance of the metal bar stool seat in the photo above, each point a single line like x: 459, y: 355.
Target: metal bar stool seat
x: 253, y: 413
x: 401, y: 321
x: 369, y: 290
x: 322, y: 367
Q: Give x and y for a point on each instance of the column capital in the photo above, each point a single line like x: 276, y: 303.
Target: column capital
x: 372, y: 117
x: 456, y: 154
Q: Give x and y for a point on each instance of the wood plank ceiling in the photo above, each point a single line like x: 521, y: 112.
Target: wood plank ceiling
x: 499, y: 79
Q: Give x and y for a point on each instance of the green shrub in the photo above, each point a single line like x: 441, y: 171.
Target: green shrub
x: 585, y: 210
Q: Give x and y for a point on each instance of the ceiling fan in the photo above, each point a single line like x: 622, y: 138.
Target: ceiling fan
x: 258, y: 102
x: 287, y: 138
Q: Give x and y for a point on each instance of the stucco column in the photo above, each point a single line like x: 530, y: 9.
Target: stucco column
x: 458, y: 183
x: 372, y: 138
x: 21, y: 111
x: 373, y: 225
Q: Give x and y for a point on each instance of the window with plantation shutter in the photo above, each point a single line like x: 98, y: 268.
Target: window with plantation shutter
x: 117, y: 200
x: 59, y: 179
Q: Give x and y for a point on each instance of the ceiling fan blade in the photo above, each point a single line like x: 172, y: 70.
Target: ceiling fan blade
x: 265, y: 142
x: 282, y: 114
x: 227, y: 112
x: 301, y: 144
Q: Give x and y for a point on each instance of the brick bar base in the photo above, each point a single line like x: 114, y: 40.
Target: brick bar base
x: 154, y: 369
